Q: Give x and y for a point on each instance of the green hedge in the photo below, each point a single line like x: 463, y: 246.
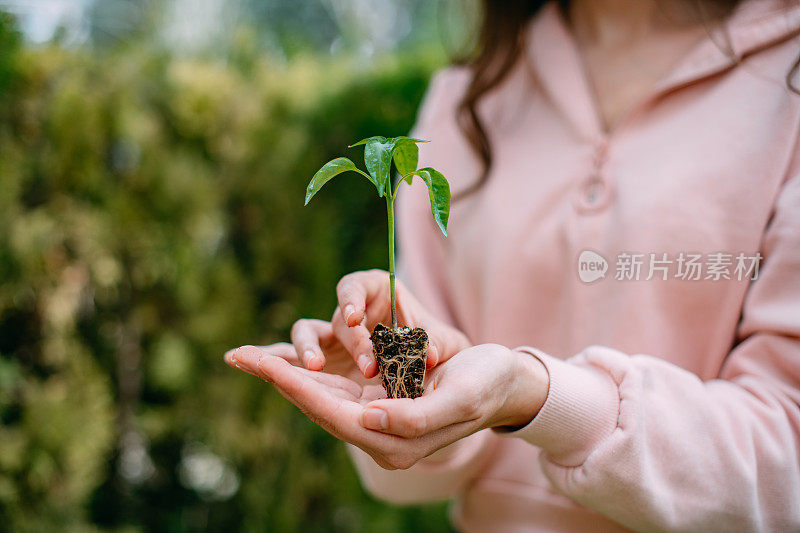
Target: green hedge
x: 151, y: 218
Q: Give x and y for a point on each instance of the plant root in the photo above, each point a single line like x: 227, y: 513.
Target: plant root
x: 401, y: 355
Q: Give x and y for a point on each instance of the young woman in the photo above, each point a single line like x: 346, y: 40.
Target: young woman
x: 615, y: 316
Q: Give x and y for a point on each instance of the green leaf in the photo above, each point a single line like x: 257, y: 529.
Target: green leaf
x: 406, y: 156
x: 396, y: 139
x: 364, y: 141
x: 378, y: 154
x: 412, y: 139
x: 328, y: 171
x: 378, y: 158
x: 439, y: 193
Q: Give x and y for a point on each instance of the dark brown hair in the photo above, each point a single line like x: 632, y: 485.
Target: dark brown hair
x: 496, y: 50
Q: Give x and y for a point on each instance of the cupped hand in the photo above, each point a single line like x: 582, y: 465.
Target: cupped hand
x: 482, y: 386
x: 364, y: 301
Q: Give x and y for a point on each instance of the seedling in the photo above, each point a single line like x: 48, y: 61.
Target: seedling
x: 400, y: 351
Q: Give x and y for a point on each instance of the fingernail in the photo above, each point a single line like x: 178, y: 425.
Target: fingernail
x: 308, y: 355
x: 374, y: 418
x: 363, y: 362
x: 315, y: 363
x: 349, y: 309
x: 238, y: 363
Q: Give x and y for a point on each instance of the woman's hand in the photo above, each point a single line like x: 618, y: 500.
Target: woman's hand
x: 483, y: 386
x: 326, y: 372
x: 364, y: 302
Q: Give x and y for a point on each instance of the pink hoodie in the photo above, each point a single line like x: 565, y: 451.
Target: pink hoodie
x: 674, y: 403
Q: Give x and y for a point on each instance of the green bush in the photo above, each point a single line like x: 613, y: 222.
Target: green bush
x: 150, y: 219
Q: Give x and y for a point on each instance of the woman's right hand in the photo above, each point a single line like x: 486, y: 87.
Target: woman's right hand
x: 364, y: 302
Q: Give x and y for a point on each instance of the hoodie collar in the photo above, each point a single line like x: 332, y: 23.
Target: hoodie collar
x: 556, y: 61
x: 753, y: 26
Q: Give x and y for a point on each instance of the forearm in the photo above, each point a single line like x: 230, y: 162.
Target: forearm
x: 653, y: 447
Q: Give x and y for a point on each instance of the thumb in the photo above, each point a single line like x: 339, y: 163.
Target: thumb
x: 354, y: 291
x: 411, y: 418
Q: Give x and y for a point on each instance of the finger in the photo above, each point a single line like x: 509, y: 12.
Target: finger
x: 307, y: 335
x: 246, y: 357
x: 336, y: 415
x: 346, y: 391
x: 357, y: 343
x: 355, y: 290
x: 336, y: 383
x: 334, y: 386
x: 411, y: 418
x: 433, y: 354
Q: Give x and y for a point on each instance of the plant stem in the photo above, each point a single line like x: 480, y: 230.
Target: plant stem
x: 390, y: 216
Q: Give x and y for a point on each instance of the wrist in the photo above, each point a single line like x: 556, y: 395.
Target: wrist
x: 526, y: 391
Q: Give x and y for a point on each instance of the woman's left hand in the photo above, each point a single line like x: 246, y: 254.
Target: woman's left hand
x: 480, y: 387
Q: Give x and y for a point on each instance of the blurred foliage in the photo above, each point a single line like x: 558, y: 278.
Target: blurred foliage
x: 150, y: 219
x: 9, y: 44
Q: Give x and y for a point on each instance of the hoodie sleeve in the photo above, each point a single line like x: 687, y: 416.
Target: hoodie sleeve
x: 678, y: 453
x: 421, y: 267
